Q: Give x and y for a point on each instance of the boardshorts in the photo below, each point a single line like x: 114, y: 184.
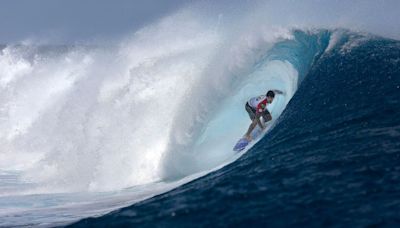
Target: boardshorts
x: 252, y: 112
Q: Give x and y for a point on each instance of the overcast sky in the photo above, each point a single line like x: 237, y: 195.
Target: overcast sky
x: 78, y: 19
x: 75, y: 21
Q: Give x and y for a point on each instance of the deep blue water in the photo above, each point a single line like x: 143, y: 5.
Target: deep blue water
x: 332, y: 160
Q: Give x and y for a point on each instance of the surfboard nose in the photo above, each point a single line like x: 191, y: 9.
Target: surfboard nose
x: 241, y: 144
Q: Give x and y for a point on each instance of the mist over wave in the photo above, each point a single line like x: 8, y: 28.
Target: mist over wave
x: 98, y: 118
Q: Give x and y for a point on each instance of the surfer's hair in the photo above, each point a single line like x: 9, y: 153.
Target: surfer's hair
x: 271, y: 94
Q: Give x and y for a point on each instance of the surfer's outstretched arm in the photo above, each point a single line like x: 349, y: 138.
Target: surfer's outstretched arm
x: 278, y: 91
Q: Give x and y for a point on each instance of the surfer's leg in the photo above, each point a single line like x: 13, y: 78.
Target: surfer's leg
x: 266, y: 116
x: 250, y: 111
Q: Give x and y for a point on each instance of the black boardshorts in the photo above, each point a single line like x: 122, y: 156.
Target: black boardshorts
x: 252, y: 112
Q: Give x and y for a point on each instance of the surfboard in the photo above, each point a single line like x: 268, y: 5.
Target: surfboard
x: 243, y: 142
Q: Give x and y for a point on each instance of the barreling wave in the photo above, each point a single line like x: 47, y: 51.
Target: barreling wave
x: 105, y: 127
x: 331, y: 160
x: 95, y: 119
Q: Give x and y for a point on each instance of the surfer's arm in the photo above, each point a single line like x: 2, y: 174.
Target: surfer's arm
x: 278, y: 91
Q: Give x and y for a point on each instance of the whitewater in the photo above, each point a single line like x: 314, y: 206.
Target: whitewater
x: 81, y: 121
x: 86, y: 130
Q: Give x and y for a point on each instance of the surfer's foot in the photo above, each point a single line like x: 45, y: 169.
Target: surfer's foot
x: 248, y: 137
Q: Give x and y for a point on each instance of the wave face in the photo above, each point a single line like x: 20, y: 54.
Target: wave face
x: 331, y: 159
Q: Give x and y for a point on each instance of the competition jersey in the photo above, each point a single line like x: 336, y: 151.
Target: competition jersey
x: 258, y: 103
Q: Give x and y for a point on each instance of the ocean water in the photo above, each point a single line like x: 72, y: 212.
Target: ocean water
x: 141, y: 134
x: 331, y: 160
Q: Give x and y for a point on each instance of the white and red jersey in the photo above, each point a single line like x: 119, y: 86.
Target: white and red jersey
x: 258, y: 103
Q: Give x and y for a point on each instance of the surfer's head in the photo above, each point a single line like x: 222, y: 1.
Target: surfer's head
x: 270, y: 96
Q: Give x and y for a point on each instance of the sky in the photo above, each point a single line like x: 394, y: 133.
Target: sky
x: 379, y: 17
x: 94, y: 21
x: 74, y: 20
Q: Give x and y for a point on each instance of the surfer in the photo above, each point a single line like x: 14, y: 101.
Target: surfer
x: 256, y: 107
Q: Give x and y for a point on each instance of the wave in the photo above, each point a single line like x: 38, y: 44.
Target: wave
x: 92, y: 129
x: 79, y: 121
x: 95, y: 119
x: 330, y: 160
